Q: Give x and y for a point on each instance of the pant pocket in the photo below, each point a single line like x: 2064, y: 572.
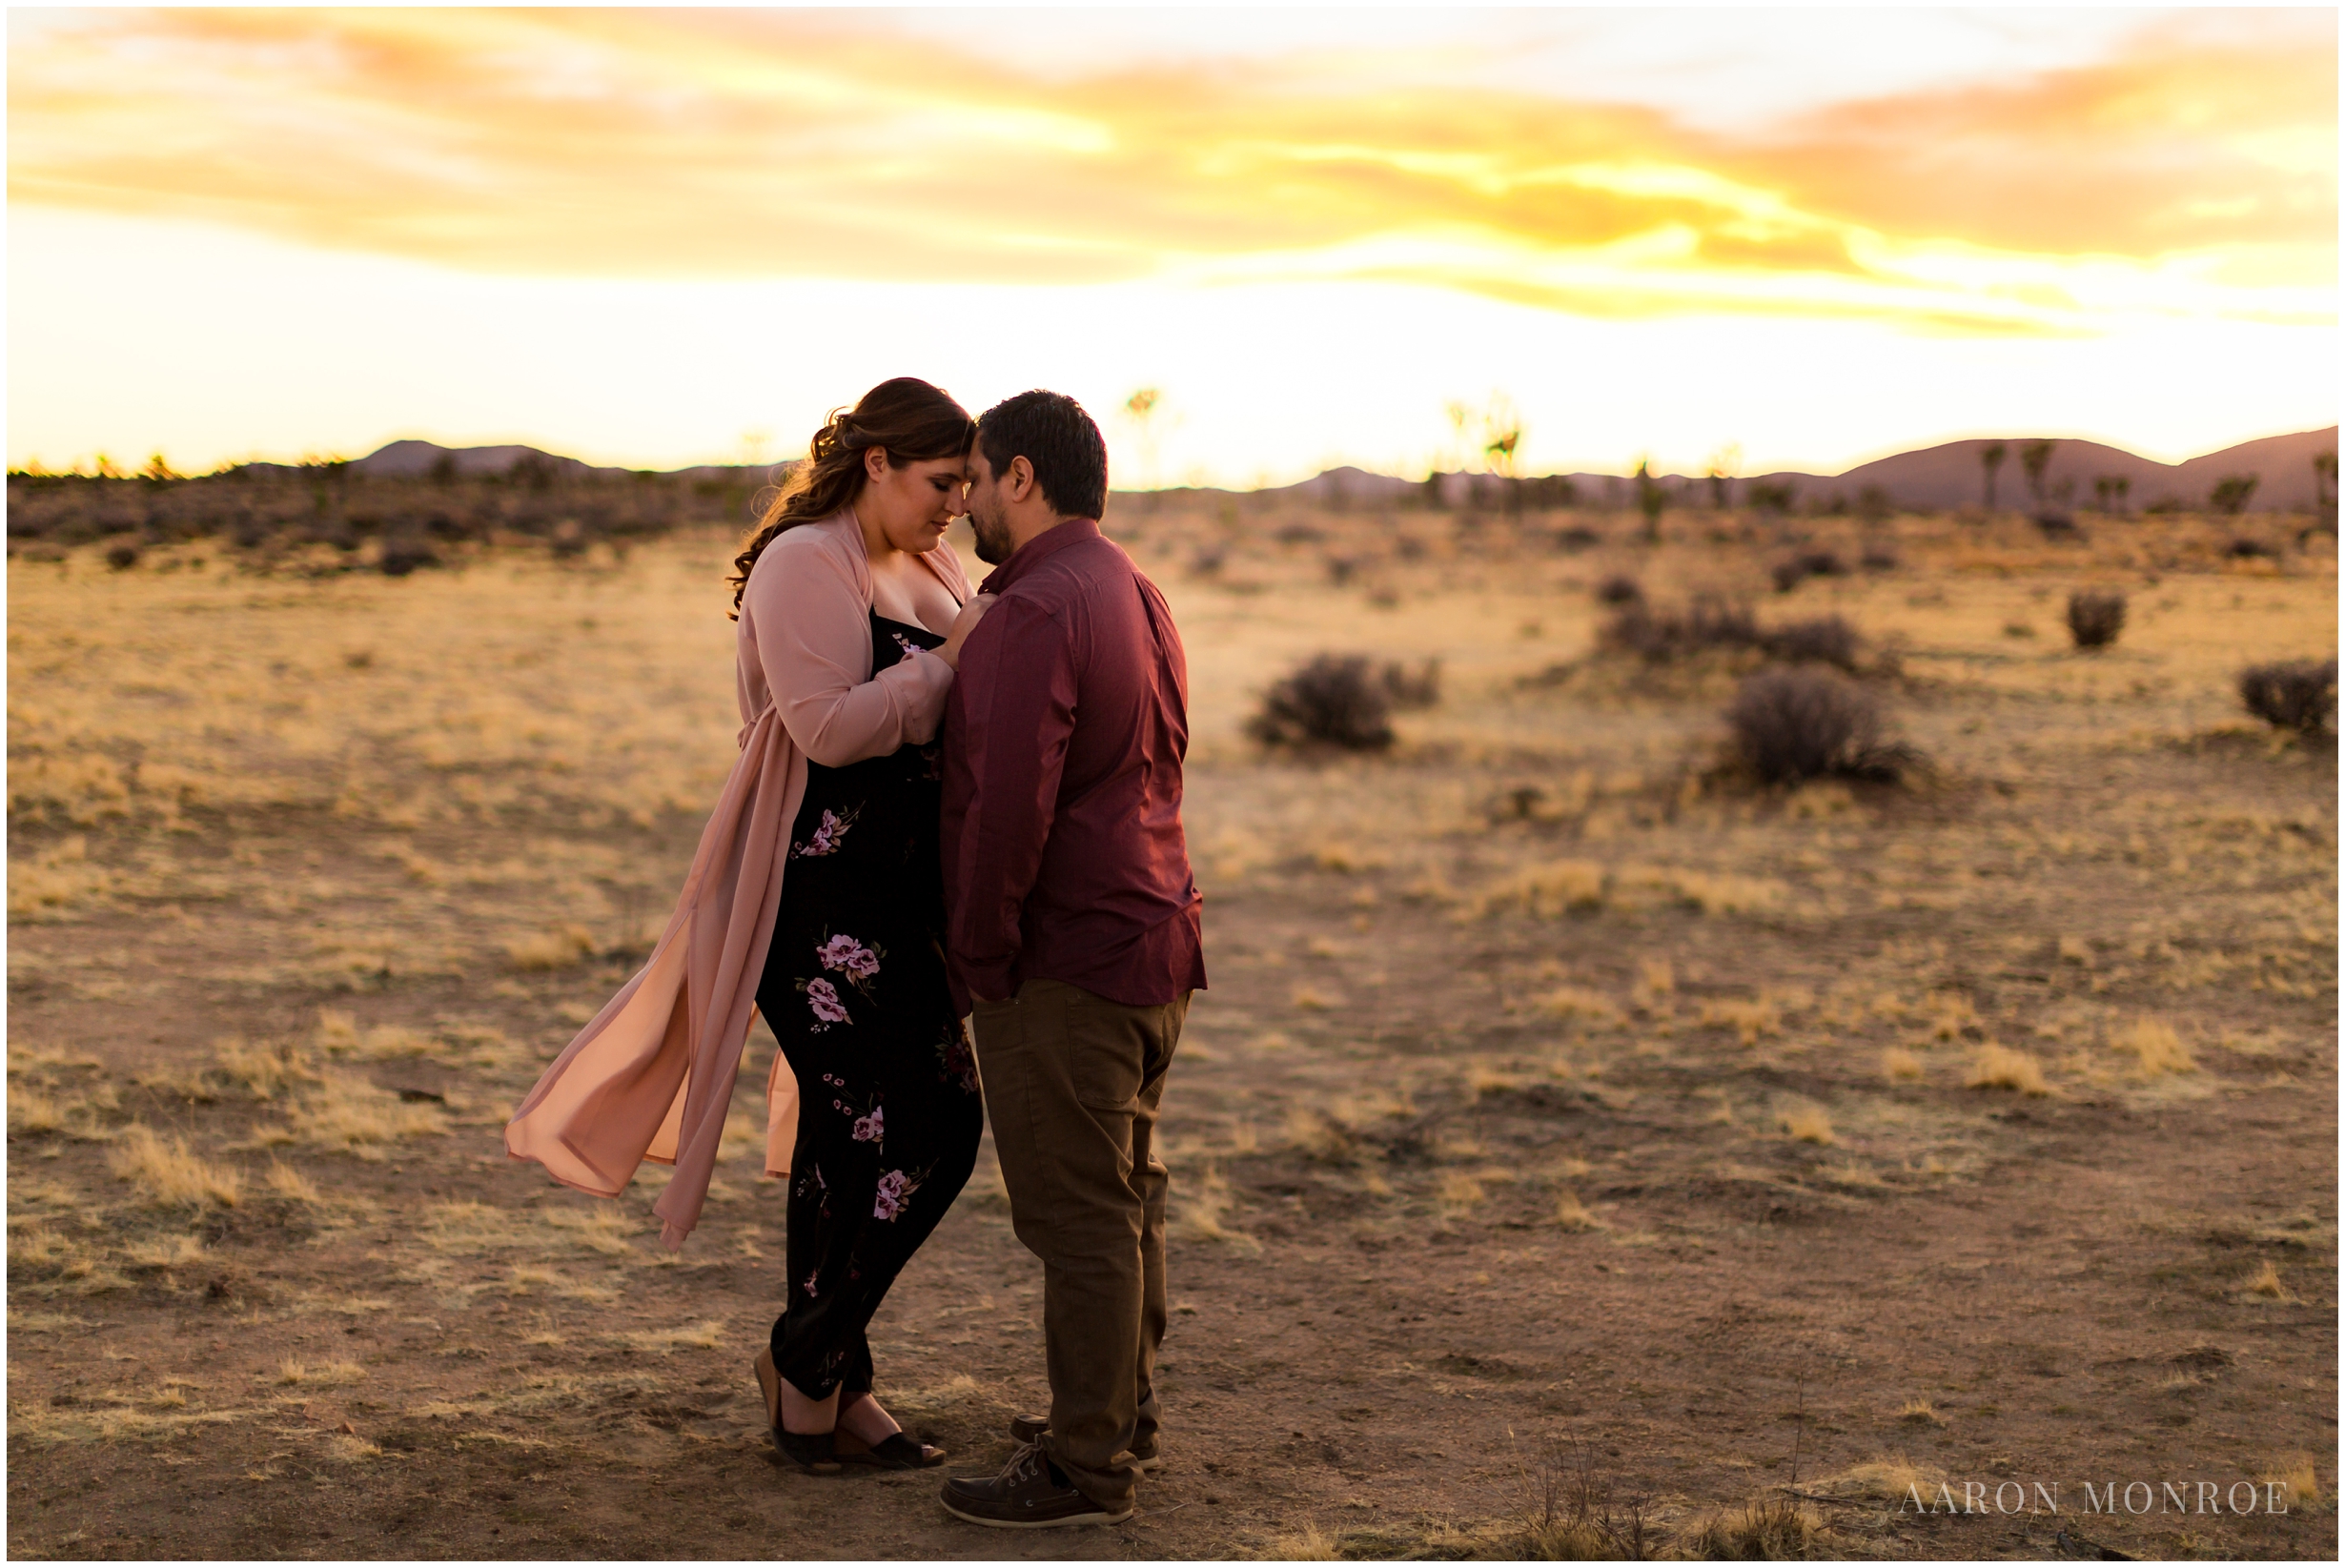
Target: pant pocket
x: 1106, y: 1053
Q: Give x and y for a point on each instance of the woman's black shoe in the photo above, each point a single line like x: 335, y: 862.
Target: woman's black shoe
x: 894, y: 1452
x: 813, y: 1450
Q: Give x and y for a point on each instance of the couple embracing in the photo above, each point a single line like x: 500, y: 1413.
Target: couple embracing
x: 951, y: 804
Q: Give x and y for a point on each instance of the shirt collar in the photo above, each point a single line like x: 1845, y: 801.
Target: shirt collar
x: 1036, y: 550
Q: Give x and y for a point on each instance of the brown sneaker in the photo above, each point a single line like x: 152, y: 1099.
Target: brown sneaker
x: 1028, y: 1429
x: 1030, y: 1493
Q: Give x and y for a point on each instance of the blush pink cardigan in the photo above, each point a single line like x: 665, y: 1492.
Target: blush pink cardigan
x: 651, y: 1077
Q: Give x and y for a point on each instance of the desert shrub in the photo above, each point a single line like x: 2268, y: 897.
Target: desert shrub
x: 2298, y: 694
x: 122, y: 557
x: 1794, y: 725
x: 1577, y: 538
x: 1826, y: 640
x: 1790, y: 573
x: 2247, y: 549
x: 403, y: 557
x: 1412, y: 688
x: 1334, y: 700
x: 1879, y: 558
x: 2054, y: 522
x: 2095, y: 617
x: 1673, y: 634
x: 1619, y: 588
x: 1765, y: 497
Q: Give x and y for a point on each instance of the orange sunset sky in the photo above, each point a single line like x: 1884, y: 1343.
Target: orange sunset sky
x: 656, y: 237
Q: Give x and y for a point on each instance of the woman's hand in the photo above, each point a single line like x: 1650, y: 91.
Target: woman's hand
x: 963, y: 624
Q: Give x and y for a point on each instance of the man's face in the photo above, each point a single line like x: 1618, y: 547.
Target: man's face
x: 985, y: 519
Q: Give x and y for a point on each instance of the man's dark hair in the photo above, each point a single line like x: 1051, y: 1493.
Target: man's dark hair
x: 1050, y: 431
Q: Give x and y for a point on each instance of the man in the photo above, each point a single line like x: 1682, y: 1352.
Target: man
x: 1074, y: 939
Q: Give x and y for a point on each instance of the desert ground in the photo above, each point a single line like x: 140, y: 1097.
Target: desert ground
x: 1582, y: 1148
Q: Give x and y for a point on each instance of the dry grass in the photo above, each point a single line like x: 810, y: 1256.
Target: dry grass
x: 261, y: 1071
x: 1309, y: 1544
x: 1899, y: 1065
x: 1557, y: 888
x: 1764, y: 1530
x: 165, y: 1253
x: 350, y: 1115
x: 1999, y: 1066
x: 602, y: 1228
x: 1573, y: 1214
x: 692, y: 1337
x: 1576, y: 1002
x: 1892, y: 1477
x: 30, y: 1111
x: 1918, y: 1412
x: 2157, y: 1047
x: 1203, y: 1202
x: 554, y: 949
x: 2299, y: 1477
x: 1806, y: 1124
x: 2266, y: 1284
x: 290, y: 1373
x: 1459, y: 1192
x: 168, y: 1174
x: 1749, y: 1020
x: 292, y: 1185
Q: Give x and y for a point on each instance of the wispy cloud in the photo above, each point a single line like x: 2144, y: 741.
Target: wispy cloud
x: 2181, y: 176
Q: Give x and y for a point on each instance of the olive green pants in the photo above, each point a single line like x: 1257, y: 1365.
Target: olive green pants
x: 1072, y: 1085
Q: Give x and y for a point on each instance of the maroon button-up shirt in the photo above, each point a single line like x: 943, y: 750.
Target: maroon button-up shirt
x: 1063, y: 735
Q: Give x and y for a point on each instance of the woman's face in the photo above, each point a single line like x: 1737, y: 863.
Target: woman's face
x: 911, y: 505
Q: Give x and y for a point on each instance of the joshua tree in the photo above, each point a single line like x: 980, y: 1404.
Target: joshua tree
x: 1651, y: 498
x: 1138, y: 408
x: 2109, y: 491
x: 2324, y: 479
x: 2231, y: 493
x: 2033, y: 459
x: 1502, y: 433
x: 1990, y: 458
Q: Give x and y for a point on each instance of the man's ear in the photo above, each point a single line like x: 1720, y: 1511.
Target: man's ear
x: 1020, y: 478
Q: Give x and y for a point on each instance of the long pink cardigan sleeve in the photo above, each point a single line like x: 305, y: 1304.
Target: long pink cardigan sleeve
x: 651, y: 1076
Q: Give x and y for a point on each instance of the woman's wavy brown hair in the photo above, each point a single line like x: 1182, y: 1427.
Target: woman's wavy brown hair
x: 910, y: 420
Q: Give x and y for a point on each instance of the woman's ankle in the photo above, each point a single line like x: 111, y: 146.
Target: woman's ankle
x: 862, y: 1415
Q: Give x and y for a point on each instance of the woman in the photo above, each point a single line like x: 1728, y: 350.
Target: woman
x: 817, y: 892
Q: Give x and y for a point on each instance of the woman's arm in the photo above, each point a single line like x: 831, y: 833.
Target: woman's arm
x: 813, y: 637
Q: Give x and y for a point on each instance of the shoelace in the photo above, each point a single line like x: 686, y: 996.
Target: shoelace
x: 1024, y: 1462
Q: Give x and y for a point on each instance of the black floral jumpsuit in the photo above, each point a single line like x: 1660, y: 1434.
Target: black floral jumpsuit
x: 854, y: 987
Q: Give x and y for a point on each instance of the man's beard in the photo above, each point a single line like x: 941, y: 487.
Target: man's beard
x: 995, y: 544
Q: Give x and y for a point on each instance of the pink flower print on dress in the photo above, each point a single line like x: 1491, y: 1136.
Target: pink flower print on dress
x: 848, y: 956
x: 811, y: 1279
x: 870, y: 1128
x: 827, y: 835
x: 894, y: 1188
x: 823, y: 998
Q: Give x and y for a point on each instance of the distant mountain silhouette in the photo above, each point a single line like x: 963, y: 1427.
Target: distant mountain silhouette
x: 1936, y: 478
x: 411, y: 460
x: 1941, y: 477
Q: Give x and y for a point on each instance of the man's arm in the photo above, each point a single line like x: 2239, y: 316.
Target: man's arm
x: 1018, y: 697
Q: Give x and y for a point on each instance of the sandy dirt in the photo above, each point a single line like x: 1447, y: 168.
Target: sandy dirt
x: 1578, y: 1149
